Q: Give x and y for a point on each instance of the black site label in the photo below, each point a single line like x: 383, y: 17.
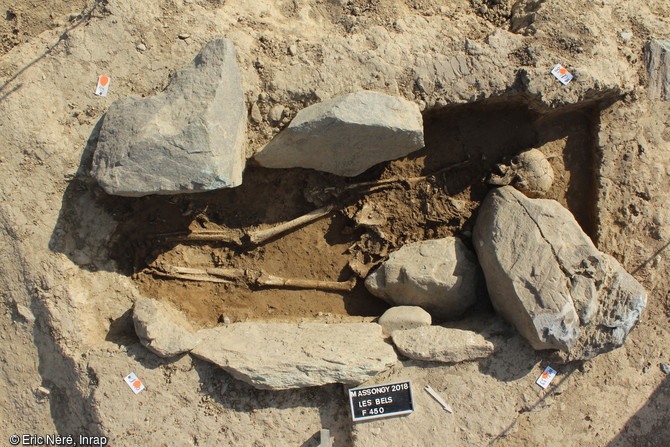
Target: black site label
x: 378, y: 401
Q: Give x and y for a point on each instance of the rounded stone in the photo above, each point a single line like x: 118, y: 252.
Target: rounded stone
x: 404, y: 317
x: 345, y: 135
x: 442, y: 276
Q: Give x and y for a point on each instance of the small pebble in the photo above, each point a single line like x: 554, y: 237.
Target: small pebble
x: 626, y: 36
x: 293, y: 50
x: 276, y: 113
x: 25, y: 313
x: 226, y: 320
x: 665, y: 368
x: 184, y: 36
x: 80, y: 257
x: 256, y: 116
x: 43, y: 391
x: 141, y: 47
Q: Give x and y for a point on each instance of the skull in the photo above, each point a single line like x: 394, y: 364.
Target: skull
x: 530, y: 172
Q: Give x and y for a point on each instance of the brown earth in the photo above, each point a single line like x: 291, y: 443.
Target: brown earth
x: 445, y: 204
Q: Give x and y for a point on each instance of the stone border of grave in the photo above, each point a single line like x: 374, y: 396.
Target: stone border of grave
x: 542, y: 272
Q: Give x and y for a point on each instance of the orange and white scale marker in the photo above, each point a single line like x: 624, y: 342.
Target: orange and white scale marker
x: 545, y: 379
x: 562, y: 74
x: 134, y: 383
x: 103, y: 86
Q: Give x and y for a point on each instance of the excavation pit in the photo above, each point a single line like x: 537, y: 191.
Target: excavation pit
x: 463, y: 145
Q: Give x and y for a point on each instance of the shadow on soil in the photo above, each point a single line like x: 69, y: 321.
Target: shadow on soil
x: 556, y: 388
x: 649, y: 427
x: 84, y: 229
x: 513, y: 357
x: 331, y: 401
x: 493, y: 131
x: 71, y: 411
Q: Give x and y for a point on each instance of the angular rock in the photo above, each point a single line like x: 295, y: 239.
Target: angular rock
x: 190, y: 137
x: 441, y: 344
x: 284, y: 355
x: 163, y: 329
x: 438, y: 275
x: 256, y: 116
x: 347, y: 135
x: 276, y: 113
x: 545, y: 276
x: 24, y: 312
x: 404, y: 317
x: 626, y: 36
x: 657, y: 58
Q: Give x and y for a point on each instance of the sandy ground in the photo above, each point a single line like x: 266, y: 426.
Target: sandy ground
x: 72, y: 259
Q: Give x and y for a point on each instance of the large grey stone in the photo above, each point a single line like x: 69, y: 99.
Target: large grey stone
x: 440, y: 275
x: 347, y: 135
x: 284, y: 355
x: 545, y: 276
x: 657, y: 58
x: 162, y: 328
x: 404, y: 317
x: 190, y: 137
x: 441, y: 344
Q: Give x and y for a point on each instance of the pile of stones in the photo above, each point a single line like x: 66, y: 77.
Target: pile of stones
x: 542, y: 272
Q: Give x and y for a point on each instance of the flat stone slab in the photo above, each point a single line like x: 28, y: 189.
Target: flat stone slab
x: 545, y: 276
x: 284, y: 355
x: 163, y: 329
x: 441, y: 344
x: 439, y: 275
x: 657, y: 58
x: 190, y: 137
x: 347, y: 135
